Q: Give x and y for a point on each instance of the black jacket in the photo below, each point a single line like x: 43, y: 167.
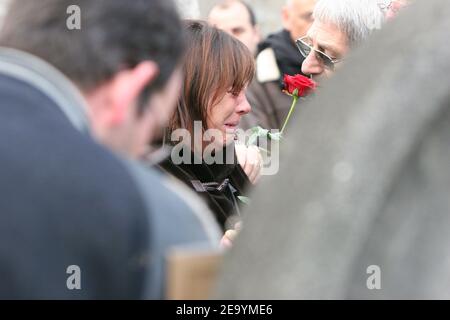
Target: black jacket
x: 289, y: 59
x: 220, y: 185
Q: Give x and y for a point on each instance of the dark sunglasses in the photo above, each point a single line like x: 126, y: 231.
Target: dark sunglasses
x: 305, y: 50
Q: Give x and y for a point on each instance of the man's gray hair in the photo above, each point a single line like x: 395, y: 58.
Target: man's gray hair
x: 356, y: 18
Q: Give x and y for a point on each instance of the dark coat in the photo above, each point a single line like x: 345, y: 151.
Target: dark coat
x: 65, y: 200
x: 219, y: 185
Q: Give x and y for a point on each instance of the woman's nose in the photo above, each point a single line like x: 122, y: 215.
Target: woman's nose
x: 244, y: 106
x: 312, y: 65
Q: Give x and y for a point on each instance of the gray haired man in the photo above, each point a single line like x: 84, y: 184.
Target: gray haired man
x: 338, y: 26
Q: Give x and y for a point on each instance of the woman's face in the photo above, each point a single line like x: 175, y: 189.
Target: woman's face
x: 226, y: 115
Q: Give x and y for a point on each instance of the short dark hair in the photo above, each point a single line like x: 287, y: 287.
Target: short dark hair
x: 114, y: 35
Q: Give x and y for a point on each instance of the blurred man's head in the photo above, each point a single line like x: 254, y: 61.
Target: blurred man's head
x: 297, y: 16
x: 338, y: 26
x: 237, y: 19
x: 124, y: 60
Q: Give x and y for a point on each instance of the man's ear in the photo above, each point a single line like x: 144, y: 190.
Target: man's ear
x: 126, y: 88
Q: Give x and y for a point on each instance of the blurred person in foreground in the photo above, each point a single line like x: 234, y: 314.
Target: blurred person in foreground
x: 339, y: 25
x: 277, y: 56
x: 67, y: 202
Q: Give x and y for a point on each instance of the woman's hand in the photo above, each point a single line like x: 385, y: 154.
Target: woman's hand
x: 228, y: 239
x: 250, y: 160
x: 230, y: 236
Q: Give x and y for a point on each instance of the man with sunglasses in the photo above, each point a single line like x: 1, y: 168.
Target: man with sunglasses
x: 338, y: 26
x: 277, y: 55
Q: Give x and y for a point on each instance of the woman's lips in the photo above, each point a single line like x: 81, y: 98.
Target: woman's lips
x: 231, y: 127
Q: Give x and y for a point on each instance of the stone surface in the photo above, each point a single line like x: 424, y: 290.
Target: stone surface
x: 364, y: 180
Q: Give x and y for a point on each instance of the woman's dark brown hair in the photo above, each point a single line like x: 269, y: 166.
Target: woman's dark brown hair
x: 215, y: 63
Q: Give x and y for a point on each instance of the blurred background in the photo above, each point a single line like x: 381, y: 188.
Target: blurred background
x: 268, y: 12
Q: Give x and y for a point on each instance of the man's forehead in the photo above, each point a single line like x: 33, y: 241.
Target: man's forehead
x: 326, y: 34
x: 303, y: 6
x: 234, y: 13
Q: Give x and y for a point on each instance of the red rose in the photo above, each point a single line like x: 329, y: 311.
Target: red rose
x: 303, y: 84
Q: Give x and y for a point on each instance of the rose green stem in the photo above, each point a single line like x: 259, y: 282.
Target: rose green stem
x: 291, y: 111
